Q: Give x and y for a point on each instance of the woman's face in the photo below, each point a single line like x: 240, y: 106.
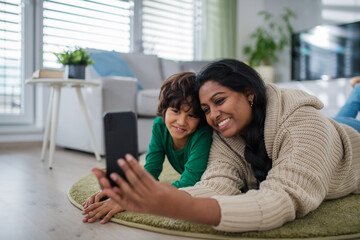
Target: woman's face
x: 226, y: 110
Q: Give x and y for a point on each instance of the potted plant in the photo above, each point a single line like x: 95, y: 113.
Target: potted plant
x: 75, y: 62
x: 269, y: 39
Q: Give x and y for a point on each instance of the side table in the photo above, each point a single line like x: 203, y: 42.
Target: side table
x: 53, y: 111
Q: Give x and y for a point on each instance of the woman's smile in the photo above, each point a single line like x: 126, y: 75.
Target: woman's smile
x: 224, y: 123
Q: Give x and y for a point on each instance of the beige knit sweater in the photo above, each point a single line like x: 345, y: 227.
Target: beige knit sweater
x: 314, y: 158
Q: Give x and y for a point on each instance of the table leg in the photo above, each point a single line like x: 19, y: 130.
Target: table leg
x: 48, y: 125
x: 54, y: 122
x: 88, y: 124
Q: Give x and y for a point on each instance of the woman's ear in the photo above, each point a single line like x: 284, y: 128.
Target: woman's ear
x: 249, y: 93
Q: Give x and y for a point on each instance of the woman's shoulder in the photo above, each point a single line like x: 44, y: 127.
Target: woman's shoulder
x: 235, y: 144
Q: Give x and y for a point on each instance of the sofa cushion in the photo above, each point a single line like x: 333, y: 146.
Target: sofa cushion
x: 169, y: 67
x: 108, y: 64
x: 146, y: 68
x: 147, y: 102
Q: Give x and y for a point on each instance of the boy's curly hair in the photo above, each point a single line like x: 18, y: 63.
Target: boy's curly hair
x: 178, y: 89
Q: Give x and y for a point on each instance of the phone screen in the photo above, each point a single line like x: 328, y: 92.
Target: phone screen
x: 120, y: 129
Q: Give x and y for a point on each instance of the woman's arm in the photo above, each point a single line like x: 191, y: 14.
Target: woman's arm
x: 143, y: 194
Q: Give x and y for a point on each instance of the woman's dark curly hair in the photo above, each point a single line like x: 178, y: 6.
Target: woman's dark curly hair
x: 179, y: 89
x: 239, y: 77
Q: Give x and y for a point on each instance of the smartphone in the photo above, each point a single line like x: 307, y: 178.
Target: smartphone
x: 120, y: 129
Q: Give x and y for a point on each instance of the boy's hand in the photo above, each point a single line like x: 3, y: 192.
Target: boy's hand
x: 107, y: 208
x: 96, y: 197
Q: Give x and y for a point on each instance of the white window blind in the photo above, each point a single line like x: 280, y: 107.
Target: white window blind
x: 95, y: 24
x: 10, y: 58
x: 169, y: 28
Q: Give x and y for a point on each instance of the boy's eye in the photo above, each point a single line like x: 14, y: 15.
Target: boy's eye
x: 192, y: 116
x: 175, y: 110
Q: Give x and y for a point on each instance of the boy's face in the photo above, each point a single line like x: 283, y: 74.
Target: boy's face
x: 181, y: 123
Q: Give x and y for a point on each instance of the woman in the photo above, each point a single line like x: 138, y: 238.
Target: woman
x: 274, y: 157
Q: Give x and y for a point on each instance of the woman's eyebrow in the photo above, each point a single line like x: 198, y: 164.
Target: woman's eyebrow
x: 213, y: 96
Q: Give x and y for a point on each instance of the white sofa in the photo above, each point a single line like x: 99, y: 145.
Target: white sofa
x: 117, y: 94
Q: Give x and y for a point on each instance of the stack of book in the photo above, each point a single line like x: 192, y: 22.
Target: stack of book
x: 48, y: 73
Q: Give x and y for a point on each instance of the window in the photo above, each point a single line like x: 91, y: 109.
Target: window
x: 89, y: 24
x: 169, y: 28
x: 10, y: 57
x: 15, y: 98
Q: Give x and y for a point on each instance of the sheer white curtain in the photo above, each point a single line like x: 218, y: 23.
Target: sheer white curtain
x: 219, y: 29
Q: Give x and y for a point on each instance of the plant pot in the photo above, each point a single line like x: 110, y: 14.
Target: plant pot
x: 74, y: 71
x: 266, y: 73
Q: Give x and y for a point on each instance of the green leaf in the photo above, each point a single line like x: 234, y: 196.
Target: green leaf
x: 78, y: 56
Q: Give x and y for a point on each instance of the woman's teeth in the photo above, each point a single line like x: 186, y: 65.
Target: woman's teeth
x: 224, y: 122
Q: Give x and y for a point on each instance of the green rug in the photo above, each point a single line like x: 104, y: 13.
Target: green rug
x: 335, y: 219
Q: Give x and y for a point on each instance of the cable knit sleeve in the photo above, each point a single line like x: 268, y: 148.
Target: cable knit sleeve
x: 223, y: 175
x: 307, y: 153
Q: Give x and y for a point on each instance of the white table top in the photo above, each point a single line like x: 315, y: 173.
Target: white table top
x: 60, y: 81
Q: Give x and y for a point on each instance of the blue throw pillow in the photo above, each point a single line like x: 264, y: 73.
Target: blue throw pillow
x: 109, y: 64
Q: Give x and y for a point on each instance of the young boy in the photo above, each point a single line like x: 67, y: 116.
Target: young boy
x: 180, y: 132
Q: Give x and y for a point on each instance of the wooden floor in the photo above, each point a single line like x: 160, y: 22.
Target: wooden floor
x: 34, y: 203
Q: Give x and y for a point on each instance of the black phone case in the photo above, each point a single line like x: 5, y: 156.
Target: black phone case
x: 120, y: 129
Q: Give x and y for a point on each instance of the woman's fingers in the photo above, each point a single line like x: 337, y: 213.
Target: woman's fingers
x: 116, y: 197
x: 104, y: 183
x: 140, y: 172
x: 98, y: 172
x: 127, y: 191
x: 101, y: 176
x: 135, y: 183
x: 125, y: 196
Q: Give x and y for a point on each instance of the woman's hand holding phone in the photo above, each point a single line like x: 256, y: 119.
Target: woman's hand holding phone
x: 141, y: 193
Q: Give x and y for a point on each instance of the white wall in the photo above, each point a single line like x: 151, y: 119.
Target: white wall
x: 308, y: 15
